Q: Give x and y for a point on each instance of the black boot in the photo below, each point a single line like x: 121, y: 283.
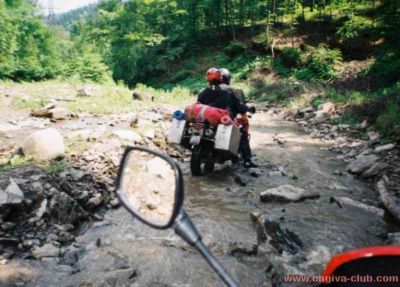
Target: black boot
x: 249, y: 164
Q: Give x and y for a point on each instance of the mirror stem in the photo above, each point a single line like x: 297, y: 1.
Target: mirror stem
x: 185, y: 228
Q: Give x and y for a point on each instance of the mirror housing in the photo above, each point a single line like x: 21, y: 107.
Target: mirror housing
x: 179, y: 189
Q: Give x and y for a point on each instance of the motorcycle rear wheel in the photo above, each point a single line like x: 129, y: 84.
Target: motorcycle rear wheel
x: 200, y: 162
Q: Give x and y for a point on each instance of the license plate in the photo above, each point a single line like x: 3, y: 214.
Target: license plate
x: 195, y: 140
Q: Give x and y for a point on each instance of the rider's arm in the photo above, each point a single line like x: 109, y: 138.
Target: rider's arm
x: 240, y: 107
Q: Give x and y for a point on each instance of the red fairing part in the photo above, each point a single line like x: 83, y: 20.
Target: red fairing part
x: 346, y: 257
x: 201, y: 113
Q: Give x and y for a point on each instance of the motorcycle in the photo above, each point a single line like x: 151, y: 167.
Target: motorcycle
x: 150, y: 186
x: 210, y: 141
x: 202, y: 139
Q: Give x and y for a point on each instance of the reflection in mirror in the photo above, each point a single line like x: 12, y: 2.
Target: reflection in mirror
x: 148, y: 186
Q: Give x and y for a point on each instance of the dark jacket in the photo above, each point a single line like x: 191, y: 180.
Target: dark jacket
x: 222, y: 97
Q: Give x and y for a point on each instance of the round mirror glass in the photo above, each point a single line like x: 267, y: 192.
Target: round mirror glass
x: 148, y: 187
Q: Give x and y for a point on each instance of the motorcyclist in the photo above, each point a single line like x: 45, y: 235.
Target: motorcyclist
x: 218, y: 96
x: 243, y: 120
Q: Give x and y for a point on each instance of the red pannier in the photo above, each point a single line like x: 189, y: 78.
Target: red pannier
x: 202, y: 113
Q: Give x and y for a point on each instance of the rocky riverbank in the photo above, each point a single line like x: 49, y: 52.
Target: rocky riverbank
x: 360, y: 147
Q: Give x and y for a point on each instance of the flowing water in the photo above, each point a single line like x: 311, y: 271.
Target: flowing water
x: 120, y: 251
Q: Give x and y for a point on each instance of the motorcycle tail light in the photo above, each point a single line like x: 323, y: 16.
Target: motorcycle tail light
x: 198, y: 126
x: 209, y: 132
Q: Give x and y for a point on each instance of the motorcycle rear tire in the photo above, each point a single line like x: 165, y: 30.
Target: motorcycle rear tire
x: 200, y: 163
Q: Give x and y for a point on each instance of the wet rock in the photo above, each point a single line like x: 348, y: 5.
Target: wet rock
x: 346, y: 201
x: 12, y: 195
x: 65, y: 209
x: 128, y: 135
x: 241, y: 180
x: 393, y: 239
x: 384, y: 148
x: 271, y: 230
x: 48, y: 250
x: 287, y: 193
x: 362, y: 164
x: 243, y: 248
x: 42, y: 210
x: 387, y: 199
x: 375, y: 170
x: 44, y: 145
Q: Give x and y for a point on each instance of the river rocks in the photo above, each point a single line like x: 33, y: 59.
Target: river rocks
x: 48, y: 250
x: 44, y: 145
x: 346, y: 201
x: 128, y: 135
x: 12, y: 195
x: 362, y: 164
x: 142, y: 97
x: 375, y: 170
x: 271, y: 230
x: 320, y: 117
x: 53, y: 112
x: 65, y: 209
x: 384, y: 148
x: 287, y: 193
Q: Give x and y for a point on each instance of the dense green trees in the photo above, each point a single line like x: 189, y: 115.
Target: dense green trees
x: 28, y: 49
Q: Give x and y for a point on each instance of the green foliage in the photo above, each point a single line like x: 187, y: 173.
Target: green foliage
x: 55, y: 167
x: 389, y: 123
x: 235, y: 48
x: 355, y: 27
x: 386, y: 69
x: 28, y: 50
x: 86, y: 65
x: 291, y: 57
x: 320, y: 64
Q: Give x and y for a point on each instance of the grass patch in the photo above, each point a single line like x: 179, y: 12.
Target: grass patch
x: 55, y: 166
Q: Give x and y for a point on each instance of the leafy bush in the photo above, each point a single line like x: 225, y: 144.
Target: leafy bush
x: 389, y: 123
x: 386, y: 69
x: 86, y: 65
x: 355, y: 27
x: 291, y: 57
x: 320, y: 64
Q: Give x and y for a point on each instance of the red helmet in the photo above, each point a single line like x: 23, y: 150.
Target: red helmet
x: 213, y: 75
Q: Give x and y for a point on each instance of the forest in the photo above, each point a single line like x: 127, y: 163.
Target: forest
x: 350, y: 48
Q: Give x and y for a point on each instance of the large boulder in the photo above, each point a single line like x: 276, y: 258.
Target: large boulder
x: 44, y: 145
x: 287, y: 193
x: 362, y: 164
